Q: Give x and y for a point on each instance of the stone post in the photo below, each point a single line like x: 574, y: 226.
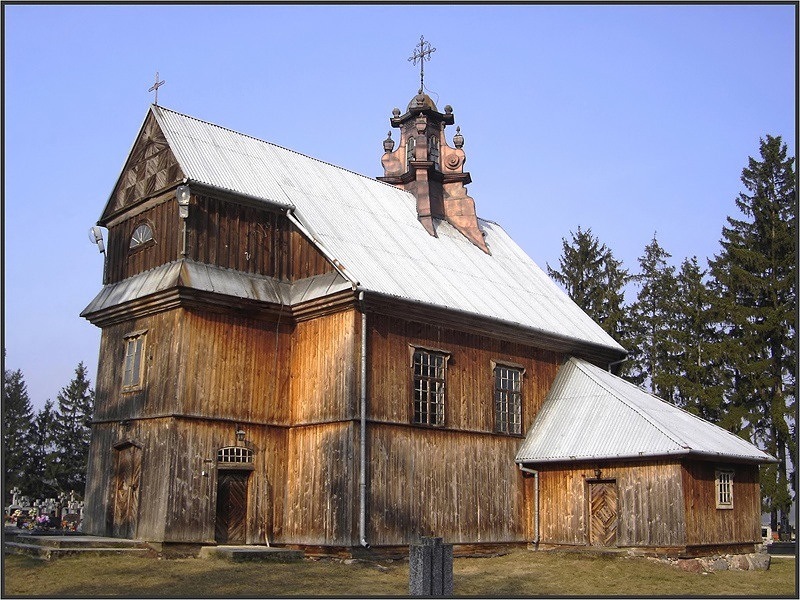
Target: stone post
x: 431, y: 568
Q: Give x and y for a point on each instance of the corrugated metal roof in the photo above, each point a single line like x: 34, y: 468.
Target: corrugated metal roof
x: 208, y: 278
x: 590, y: 414
x: 371, y: 228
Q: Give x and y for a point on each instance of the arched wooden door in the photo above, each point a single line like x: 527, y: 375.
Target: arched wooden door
x: 603, y: 513
x: 231, y: 521
x: 125, y: 489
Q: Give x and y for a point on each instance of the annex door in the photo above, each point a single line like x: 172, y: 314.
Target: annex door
x: 231, y: 523
x: 127, y: 475
x: 603, y: 513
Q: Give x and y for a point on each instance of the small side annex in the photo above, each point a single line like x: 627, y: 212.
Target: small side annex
x: 614, y: 466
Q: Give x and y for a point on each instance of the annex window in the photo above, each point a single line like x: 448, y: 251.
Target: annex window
x: 429, y: 380
x: 134, y: 350
x: 142, y: 235
x: 508, y: 399
x: 234, y: 454
x: 724, y: 488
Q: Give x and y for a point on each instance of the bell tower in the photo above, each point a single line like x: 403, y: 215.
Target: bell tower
x: 427, y: 167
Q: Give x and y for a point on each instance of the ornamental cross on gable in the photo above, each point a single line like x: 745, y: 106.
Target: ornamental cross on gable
x: 155, y: 87
x: 422, y: 52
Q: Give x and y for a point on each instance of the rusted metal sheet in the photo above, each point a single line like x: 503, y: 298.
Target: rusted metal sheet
x: 371, y: 229
x: 591, y: 414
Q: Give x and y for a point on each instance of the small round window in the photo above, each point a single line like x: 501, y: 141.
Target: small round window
x: 141, y: 235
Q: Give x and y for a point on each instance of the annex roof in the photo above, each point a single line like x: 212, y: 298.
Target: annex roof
x: 590, y: 414
x: 371, y: 230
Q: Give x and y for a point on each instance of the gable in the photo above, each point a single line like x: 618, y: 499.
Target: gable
x: 151, y: 168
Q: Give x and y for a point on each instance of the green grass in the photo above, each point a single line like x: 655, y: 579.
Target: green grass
x: 520, y: 573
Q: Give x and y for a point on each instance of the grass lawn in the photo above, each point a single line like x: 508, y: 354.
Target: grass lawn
x: 520, y: 573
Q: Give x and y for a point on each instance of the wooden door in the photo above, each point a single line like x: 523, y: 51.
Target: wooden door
x: 231, y: 523
x: 127, y: 475
x: 603, y: 513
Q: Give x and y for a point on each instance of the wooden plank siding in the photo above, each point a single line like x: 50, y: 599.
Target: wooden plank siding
x: 650, y: 508
x: 458, y: 481
x: 708, y: 525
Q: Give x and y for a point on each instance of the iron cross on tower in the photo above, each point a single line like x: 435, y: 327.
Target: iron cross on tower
x: 422, y: 52
x: 155, y: 87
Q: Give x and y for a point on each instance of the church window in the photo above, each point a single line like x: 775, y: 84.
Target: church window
x: 410, y: 144
x: 235, y: 454
x: 723, y: 481
x: 429, y: 384
x: 433, y: 150
x: 133, y: 368
x: 142, y: 235
x: 508, y: 399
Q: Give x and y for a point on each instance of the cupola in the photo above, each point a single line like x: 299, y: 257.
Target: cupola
x: 426, y: 166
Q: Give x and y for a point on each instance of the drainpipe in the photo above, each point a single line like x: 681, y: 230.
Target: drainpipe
x: 362, y: 475
x: 535, y: 501
x: 616, y: 362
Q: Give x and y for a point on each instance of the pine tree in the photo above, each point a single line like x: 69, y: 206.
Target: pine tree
x: 594, y: 279
x: 17, y: 421
x: 43, y: 453
x: 754, y: 280
x: 73, y: 433
x: 698, y: 378
x: 652, y: 347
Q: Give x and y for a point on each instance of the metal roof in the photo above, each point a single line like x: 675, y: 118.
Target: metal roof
x: 590, y: 414
x: 209, y: 278
x: 371, y: 229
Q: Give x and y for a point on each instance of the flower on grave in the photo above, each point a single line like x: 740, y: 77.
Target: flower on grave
x: 43, y: 520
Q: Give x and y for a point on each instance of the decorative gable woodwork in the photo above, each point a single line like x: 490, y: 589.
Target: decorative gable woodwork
x: 150, y: 169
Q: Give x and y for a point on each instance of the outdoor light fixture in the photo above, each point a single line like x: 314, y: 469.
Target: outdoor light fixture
x: 240, y: 435
x: 183, y: 193
x: 96, y: 237
x: 597, y: 473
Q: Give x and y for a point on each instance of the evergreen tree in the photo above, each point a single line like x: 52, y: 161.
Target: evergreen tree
x: 698, y: 377
x: 17, y: 420
x: 73, y: 433
x: 754, y: 280
x: 652, y: 359
x: 43, y: 453
x: 594, y: 279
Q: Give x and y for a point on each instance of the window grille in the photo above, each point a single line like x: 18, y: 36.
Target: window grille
x: 429, y: 379
x: 724, y: 485
x: 141, y: 235
x: 508, y: 399
x: 234, y: 454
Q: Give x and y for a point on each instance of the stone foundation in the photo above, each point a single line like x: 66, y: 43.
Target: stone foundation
x: 756, y: 561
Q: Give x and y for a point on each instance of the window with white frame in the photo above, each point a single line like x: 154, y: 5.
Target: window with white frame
x: 142, y: 236
x: 724, y: 488
x: 234, y: 454
x: 429, y: 385
x: 132, y: 374
x: 508, y: 399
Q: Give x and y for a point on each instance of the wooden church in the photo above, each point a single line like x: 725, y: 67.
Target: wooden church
x: 298, y: 355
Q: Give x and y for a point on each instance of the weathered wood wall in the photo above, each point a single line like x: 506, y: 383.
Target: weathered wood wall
x: 459, y: 481
x: 650, y: 508
x: 708, y: 525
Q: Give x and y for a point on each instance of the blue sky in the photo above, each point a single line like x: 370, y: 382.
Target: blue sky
x: 630, y: 120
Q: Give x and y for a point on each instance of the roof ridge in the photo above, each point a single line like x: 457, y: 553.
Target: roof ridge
x: 245, y: 135
x: 580, y: 364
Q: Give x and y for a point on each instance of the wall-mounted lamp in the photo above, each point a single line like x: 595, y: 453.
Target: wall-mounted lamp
x: 96, y: 237
x: 183, y: 194
x: 240, y: 435
x: 597, y: 473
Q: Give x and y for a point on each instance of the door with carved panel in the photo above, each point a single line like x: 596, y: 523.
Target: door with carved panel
x: 603, y: 513
x: 231, y: 521
x: 127, y: 475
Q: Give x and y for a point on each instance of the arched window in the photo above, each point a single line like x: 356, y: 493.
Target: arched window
x: 410, y: 150
x: 143, y: 234
x: 234, y: 454
x: 433, y: 150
